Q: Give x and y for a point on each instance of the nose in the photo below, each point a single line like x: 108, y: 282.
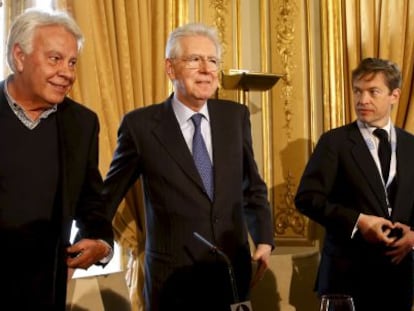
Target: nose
x: 364, y: 97
x: 207, y: 65
x: 67, y: 71
x: 203, y: 65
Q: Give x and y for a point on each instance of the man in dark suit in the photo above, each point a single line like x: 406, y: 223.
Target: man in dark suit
x: 48, y: 167
x: 364, y: 197
x: 156, y: 143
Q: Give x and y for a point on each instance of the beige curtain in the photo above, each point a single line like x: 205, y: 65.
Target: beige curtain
x: 353, y: 30
x: 122, y: 68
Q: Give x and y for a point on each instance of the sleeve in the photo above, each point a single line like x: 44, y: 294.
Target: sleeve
x: 324, y: 190
x: 124, y: 169
x: 256, y: 204
x: 90, y: 213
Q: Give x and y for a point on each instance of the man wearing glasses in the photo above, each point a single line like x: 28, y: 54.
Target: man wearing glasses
x: 201, y: 183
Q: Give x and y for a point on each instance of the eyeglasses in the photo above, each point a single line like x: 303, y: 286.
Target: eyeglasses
x: 211, y: 63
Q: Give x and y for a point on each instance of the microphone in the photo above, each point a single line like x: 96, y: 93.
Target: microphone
x: 237, y: 305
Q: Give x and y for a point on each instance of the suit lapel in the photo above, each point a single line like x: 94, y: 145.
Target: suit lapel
x: 220, y: 141
x: 366, y: 164
x: 404, y: 155
x: 168, y: 133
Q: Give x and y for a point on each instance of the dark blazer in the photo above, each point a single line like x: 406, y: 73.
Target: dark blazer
x: 151, y: 146
x: 340, y: 181
x: 78, y: 198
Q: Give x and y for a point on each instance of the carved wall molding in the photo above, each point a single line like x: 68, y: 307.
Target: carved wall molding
x: 290, y: 56
x: 221, y: 10
x: 285, y: 35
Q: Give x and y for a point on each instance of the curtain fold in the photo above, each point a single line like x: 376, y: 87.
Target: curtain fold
x: 365, y: 28
x: 334, y: 100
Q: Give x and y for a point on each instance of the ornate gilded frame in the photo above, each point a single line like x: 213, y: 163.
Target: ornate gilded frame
x: 296, y: 120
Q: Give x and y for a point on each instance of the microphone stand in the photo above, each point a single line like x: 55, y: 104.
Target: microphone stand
x: 215, y: 250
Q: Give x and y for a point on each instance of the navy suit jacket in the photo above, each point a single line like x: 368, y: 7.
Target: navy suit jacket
x: 151, y: 146
x: 340, y: 181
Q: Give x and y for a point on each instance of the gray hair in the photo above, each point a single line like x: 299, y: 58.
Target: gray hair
x: 24, y: 26
x: 173, y: 47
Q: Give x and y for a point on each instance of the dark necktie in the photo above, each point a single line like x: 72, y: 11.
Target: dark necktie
x: 384, y: 152
x: 201, y: 157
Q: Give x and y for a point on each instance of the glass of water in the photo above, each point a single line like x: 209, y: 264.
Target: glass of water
x: 337, y: 302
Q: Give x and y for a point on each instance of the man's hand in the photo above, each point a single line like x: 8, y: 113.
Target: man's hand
x: 402, y: 246
x: 86, y: 252
x: 262, y: 256
x: 375, y: 229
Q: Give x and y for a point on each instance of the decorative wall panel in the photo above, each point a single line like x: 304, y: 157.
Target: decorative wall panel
x: 292, y: 116
x: 273, y: 36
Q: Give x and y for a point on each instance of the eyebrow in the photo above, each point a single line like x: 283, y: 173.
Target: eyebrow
x: 202, y: 56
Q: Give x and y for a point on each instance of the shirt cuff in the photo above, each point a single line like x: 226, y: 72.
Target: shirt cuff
x: 107, y: 258
x: 355, y: 229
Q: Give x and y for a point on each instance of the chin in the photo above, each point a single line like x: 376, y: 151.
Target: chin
x: 364, y: 119
x: 55, y: 100
x: 206, y: 96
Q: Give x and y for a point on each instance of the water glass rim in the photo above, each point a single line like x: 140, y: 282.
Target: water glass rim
x: 337, y: 296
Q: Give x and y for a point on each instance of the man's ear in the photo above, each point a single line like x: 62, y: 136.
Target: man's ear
x: 395, y: 94
x: 18, y: 57
x: 169, y: 69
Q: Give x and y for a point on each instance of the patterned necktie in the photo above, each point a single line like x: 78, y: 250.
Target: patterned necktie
x: 201, y: 157
x: 384, y: 152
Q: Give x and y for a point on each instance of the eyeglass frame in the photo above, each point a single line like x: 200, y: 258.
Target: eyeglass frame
x: 198, y: 59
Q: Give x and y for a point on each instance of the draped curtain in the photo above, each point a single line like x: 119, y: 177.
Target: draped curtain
x: 353, y: 30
